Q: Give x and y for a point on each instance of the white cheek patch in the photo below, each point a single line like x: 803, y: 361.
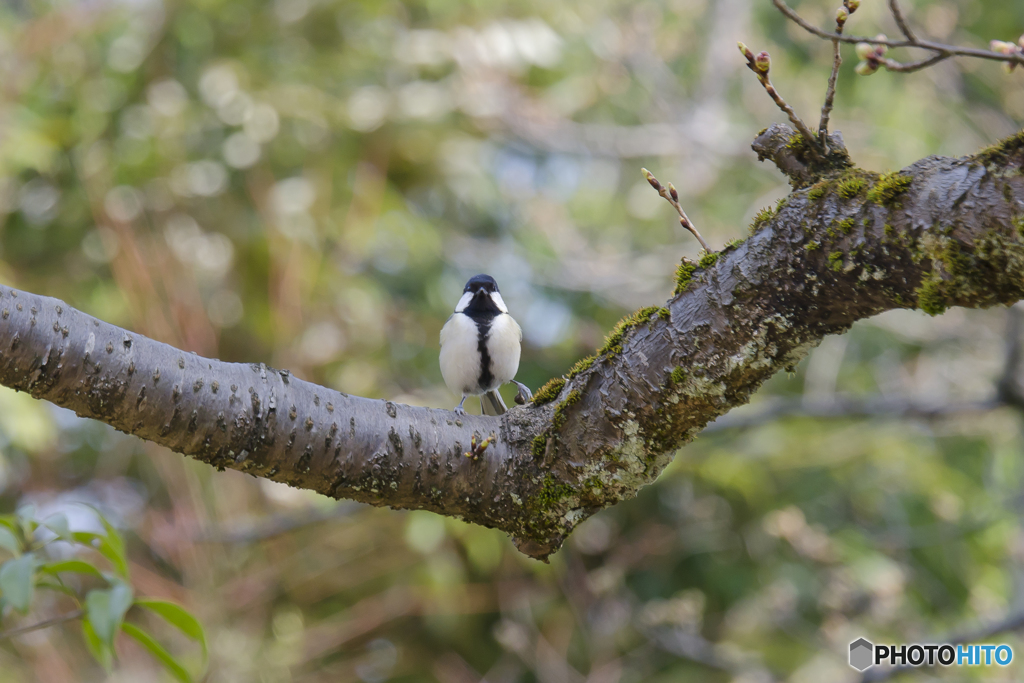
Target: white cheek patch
x: 463, y: 302
x: 499, y: 302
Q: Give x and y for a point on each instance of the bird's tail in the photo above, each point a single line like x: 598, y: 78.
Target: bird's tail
x: 491, y: 403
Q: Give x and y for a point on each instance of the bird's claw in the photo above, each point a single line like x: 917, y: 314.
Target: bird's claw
x: 524, y: 395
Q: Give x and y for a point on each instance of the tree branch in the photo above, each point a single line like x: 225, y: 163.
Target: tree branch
x: 943, y: 232
x: 897, y: 15
x: 945, y: 50
x: 47, y: 623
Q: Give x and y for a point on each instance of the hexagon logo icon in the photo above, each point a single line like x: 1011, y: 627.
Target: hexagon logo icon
x: 861, y: 652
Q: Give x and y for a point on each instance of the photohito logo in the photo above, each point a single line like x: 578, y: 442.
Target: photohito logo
x: 864, y: 654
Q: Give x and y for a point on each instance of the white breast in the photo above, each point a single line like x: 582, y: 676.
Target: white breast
x: 460, y: 357
x: 503, y: 346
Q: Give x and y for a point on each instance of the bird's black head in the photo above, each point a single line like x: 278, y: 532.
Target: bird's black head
x: 481, y: 299
x: 481, y: 283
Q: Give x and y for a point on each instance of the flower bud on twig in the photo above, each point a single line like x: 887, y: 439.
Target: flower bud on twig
x: 763, y: 62
x: 651, y: 179
x: 865, y: 68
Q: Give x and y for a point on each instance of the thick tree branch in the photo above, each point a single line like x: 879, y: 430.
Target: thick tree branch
x: 943, y: 232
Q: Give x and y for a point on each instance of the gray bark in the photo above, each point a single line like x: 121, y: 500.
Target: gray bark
x: 845, y: 245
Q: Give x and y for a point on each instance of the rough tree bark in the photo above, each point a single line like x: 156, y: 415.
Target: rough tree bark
x: 845, y: 245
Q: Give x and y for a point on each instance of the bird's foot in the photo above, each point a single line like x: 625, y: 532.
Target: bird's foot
x: 524, y: 395
x: 459, y: 410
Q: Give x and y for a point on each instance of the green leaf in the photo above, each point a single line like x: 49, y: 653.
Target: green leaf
x: 100, y: 651
x: 158, y: 651
x: 179, y: 617
x: 77, y: 566
x: 27, y: 519
x: 86, y: 538
x: 58, y: 524
x: 9, y: 541
x: 112, y: 550
x: 16, y: 582
x: 9, y: 521
x: 105, y: 610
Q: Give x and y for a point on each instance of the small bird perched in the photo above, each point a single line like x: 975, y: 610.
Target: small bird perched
x: 480, y: 347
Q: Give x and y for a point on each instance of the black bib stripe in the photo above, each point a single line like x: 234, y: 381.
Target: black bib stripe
x: 482, y: 310
x: 483, y: 331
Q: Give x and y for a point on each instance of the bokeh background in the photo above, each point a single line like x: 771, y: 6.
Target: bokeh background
x: 308, y: 183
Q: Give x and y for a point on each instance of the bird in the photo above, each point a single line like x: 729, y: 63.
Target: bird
x: 480, y: 347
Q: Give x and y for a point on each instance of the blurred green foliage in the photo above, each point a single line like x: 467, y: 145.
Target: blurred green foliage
x: 37, y: 553
x: 308, y: 183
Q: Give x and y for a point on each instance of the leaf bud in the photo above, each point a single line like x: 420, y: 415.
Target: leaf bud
x: 651, y: 179
x: 763, y: 62
x: 866, y: 68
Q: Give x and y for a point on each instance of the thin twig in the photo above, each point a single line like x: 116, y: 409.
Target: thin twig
x: 897, y: 14
x: 908, y: 67
x: 760, y: 64
x: 672, y: 197
x: 70, y: 616
x: 949, y: 50
x: 830, y: 92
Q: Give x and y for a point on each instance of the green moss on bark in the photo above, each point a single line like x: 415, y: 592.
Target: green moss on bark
x: 684, y: 273
x: 888, y: 188
x: 708, y: 259
x: 761, y: 219
x: 850, y: 187
x: 930, y: 297
x: 818, y: 190
x: 1000, y: 152
x: 560, y: 416
x: 539, y: 445
x: 552, y: 492
x: 581, y: 365
x: 549, y: 392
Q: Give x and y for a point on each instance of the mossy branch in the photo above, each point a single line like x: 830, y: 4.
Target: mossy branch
x: 940, y: 233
